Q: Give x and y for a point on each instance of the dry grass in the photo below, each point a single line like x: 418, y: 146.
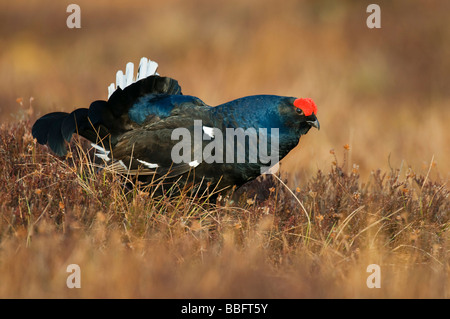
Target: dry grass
x: 383, y: 199
x: 314, y: 241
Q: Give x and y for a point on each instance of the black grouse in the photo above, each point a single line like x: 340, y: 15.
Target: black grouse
x: 147, y: 127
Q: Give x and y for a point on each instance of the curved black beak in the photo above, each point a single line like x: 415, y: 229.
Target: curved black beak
x: 314, y: 123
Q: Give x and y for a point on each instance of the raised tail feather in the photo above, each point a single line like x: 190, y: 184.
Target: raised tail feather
x: 104, y: 118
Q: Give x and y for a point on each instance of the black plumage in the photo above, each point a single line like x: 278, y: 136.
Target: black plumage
x: 134, y: 131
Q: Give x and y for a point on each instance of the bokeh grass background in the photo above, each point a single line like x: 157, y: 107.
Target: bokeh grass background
x: 384, y: 92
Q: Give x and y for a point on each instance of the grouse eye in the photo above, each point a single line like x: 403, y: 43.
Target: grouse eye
x: 299, y: 111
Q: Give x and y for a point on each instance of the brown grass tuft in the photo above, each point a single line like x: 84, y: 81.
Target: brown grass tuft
x: 314, y: 241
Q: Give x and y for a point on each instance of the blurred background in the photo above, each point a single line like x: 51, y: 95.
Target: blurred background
x: 384, y: 92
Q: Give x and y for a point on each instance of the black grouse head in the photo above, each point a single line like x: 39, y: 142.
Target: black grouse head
x: 298, y: 115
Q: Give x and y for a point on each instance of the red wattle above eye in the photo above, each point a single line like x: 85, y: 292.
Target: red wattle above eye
x: 307, y: 105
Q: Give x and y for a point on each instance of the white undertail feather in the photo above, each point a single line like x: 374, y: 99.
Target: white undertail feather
x: 129, y: 73
x: 102, y: 153
x: 149, y: 165
x: 194, y: 163
x: 99, y: 148
x: 103, y: 157
x: 146, y: 69
x: 111, y: 89
x: 120, y: 79
x: 142, y: 71
x: 152, y: 66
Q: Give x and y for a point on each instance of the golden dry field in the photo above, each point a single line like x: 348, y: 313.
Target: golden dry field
x: 371, y: 187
